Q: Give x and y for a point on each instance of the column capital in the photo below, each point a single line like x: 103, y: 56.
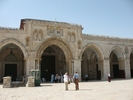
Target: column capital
x: 77, y: 60
x: 25, y: 58
x: 106, y: 58
x: 38, y: 59
x: 127, y: 59
x: 120, y: 58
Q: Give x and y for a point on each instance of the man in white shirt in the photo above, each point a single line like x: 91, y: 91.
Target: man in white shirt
x: 66, y: 80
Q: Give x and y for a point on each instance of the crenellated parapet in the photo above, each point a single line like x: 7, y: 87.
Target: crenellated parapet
x: 42, y: 22
x: 10, y: 30
x: 106, y: 38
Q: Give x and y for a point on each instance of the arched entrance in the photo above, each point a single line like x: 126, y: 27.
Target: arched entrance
x: 55, y: 57
x: 11, y: 62
x: 53, y: 62
x: 91, y: 62
x: 117, y: 63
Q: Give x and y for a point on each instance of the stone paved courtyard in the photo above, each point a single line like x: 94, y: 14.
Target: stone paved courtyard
x: 91, y: 90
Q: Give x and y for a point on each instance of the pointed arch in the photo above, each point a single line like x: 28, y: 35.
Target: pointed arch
x: 16, y: 42
x: 118, y: 51
x: 54, y: 41
x: 95, y: 48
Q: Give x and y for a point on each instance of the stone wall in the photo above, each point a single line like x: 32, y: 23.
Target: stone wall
x: 34, y: 36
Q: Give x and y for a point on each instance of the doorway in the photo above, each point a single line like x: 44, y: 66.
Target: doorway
x: 47, y: 67
x: 116, y: 71
x: 11, y: 70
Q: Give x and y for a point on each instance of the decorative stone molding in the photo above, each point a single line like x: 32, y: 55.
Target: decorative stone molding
x: 120, y: 59
x: 38, y: 35
x: 106, y: 38
x: 127, y: 58
x: 106, y: 58
x: 126, y: 50
x: 71, y: 37
x: 11, y: 58
x: 54, y: 31
x: 79, y: 44
x: 27, y: 41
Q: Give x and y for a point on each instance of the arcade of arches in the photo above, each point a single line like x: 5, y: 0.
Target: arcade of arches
x: 53, y: 61
x: 59, y: 47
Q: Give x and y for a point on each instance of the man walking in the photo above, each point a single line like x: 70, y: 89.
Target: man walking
x: 76, y: 80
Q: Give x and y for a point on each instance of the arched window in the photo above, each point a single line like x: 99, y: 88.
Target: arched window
x: 11, y: 58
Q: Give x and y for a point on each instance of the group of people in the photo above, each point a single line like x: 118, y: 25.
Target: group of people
x: 76, y: 80
x: 57, y: 78
x: 67, y: 80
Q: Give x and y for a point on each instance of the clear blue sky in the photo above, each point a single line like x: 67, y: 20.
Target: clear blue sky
x: 98, y: 17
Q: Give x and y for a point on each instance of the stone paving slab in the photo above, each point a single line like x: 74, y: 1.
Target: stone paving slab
x: 91, y: 90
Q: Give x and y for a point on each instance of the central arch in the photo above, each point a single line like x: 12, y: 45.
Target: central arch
x: 54, y: 52
x: 54, y: 41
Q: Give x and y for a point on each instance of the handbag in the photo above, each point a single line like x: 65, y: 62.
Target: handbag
x: 68, y: 82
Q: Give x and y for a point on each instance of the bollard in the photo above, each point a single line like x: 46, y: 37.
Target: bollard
x: 7, y: 82
x: 31, y: 81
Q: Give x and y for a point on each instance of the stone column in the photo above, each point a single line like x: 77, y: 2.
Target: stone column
x: 72, y: 67
x: 121, y: 68
x: 69, y: 66
x: 25, y: 67
x: 100, y: 69
x: 29, y: 65
x: 106, y: 69
x: 77, y: 67
x: 1, y: 72
x: 37, y: 63
x: 127, y: 68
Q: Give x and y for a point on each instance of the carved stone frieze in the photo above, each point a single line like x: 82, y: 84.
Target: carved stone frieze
x: 38, y: 35
x: 126, y: 50
x: 27, y: 41
x: 106, y: 58
x: 54, y: 31
x: 71, y: 37
x: 79, y: 44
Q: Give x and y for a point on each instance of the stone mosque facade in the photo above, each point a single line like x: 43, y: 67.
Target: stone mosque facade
x: 59, y: 47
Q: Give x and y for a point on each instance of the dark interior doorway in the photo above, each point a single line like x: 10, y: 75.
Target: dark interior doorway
x: 116, y: 71
x: 11, y: 70
x: 47, y: 67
